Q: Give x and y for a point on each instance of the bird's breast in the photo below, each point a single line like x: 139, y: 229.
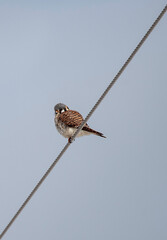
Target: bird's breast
x: 63, y: 129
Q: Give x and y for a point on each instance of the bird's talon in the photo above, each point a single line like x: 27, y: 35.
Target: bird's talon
x: 70, y: 140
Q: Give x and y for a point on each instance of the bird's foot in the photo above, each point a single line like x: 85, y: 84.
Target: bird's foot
x: 70, y: 140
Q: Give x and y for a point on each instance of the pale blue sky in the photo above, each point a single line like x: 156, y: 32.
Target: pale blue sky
x: 69, y: 51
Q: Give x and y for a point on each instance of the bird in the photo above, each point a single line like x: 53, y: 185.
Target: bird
x: 67, y: 121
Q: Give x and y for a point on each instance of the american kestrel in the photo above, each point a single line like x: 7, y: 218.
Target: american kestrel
x: 67, y: 121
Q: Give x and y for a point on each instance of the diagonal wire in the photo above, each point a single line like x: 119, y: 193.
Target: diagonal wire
x: 121, y: 70
x: 86, y: 119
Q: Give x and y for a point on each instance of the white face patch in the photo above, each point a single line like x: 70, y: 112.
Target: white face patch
x: 62, y: 110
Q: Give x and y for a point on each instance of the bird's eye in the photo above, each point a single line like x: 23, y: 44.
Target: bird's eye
x: 57, y: 111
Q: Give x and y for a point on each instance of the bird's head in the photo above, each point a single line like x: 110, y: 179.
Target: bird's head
x: 60, y: 108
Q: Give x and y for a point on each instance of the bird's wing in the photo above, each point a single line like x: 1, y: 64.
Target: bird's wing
x: 71, y: 118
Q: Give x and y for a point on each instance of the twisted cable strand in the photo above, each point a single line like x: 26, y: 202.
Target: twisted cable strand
x: 86, y: 119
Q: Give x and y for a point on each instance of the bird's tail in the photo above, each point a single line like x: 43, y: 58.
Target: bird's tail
x: 88, y: 129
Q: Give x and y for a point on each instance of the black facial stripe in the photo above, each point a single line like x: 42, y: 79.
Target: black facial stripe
x: 62, y: 110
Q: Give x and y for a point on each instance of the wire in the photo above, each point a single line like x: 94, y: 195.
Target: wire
x: 120, y: 71
x: 86, y: 119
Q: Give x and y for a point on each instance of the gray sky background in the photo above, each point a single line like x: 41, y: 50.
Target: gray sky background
x: 69, y: 51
